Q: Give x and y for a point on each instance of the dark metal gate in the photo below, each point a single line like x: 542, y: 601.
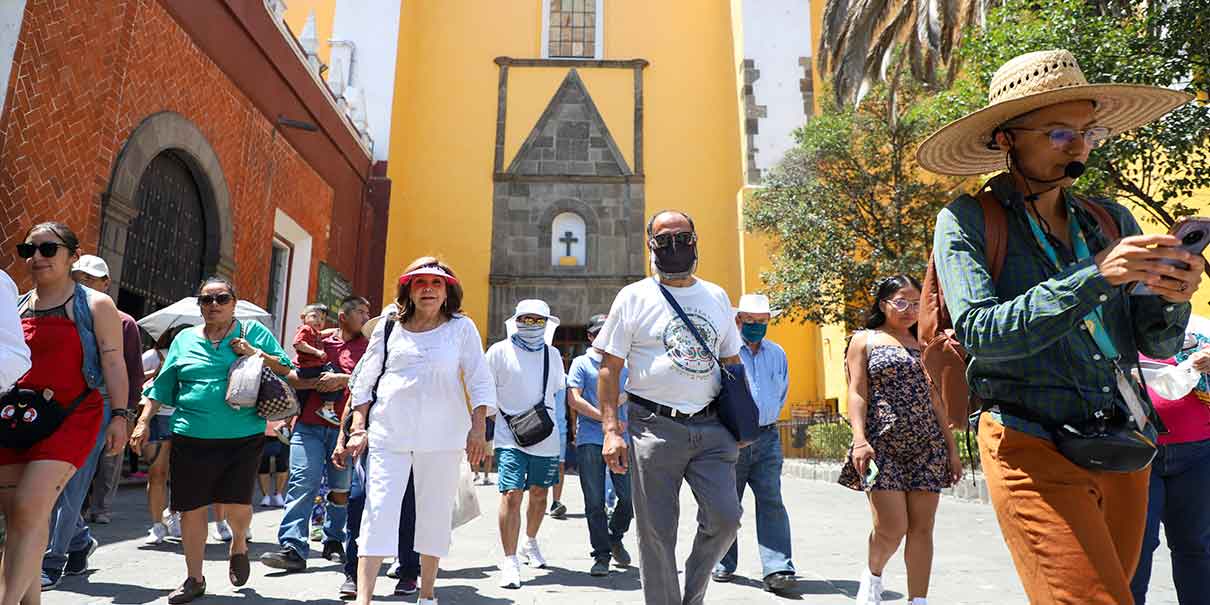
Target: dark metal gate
x: 165, y: 244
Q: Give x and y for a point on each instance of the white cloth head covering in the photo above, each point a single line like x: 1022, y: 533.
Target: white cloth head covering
x: 533, y: 306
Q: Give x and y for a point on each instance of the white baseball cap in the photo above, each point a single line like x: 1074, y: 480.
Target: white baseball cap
x: 91, y: 265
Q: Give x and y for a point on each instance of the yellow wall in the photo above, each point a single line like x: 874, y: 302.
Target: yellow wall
x: 445, y: 111
x: 325, y: 12
x: 1200, y: 201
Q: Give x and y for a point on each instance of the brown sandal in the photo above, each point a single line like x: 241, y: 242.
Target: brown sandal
x: 188, y: 591
x: 238, y: 569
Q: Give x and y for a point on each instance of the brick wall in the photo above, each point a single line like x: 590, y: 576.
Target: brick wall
x: 85, y: 74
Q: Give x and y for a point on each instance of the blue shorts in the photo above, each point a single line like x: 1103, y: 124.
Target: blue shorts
x: 159, y: 428
x: 518, y: 470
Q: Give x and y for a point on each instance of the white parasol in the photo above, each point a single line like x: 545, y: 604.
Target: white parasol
x: 186, y: 312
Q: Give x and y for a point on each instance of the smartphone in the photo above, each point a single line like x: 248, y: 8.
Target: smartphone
x: 871, y: 475
x: 1194, y: 233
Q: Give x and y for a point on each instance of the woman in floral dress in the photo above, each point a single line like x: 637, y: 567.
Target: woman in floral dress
x: 903, y: 455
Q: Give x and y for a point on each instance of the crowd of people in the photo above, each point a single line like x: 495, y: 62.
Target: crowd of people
x: 395, y: 409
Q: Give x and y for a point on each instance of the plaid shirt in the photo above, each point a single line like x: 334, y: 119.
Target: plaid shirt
x: 1025, y: 333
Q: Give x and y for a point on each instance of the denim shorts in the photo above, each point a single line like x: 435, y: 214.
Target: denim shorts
x: 159, y: 428
x: 518, y: 470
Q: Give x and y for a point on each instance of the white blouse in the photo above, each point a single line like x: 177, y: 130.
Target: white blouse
x: 422, y: 405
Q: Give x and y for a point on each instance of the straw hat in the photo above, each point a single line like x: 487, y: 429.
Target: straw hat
x: 757, y: 304
x: 1033, y: 81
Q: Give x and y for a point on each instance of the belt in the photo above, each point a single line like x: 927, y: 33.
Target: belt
x: 768, y: 427
x: 668, y: 412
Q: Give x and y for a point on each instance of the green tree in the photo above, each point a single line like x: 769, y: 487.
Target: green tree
x: 1155, y: 168
x: 849, y: 205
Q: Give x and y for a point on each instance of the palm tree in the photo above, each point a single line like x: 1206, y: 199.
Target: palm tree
x: 858, y: 37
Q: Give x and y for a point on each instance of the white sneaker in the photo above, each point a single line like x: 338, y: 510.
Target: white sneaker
x: 870, y: 590
x: 533, y: 554
x: 173, y: 522
x: 279, y: 501
x: 510, y: 572
x: 266, y: 502
x: 222, y: 531
x: 427, y: 602
x: 157, y: 533
x: 329, y: 415
x: 919, y: 601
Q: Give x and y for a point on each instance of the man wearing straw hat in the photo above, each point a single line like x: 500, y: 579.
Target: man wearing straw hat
x: 1052, y: 340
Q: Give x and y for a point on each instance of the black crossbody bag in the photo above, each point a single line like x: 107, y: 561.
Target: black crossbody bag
x: 534, y: 425
x: 27, y: 417
x: 736, y: 408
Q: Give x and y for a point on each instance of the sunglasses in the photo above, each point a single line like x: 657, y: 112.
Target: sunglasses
x: 214, y: 299
x: 901, y: 305
x: 664, y: 240
x: 531, y: 321
x: 46, y: 249
x: 1062, y: 138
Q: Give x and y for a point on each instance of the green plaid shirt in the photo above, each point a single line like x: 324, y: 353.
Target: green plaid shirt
x: 1025, y: 333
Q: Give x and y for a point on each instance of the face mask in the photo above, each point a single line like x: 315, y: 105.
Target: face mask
x: 753, y: 332
x: 530, y: 338
x: 675, y: 262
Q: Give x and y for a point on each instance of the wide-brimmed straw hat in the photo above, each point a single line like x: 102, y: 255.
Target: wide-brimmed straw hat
x: 1033, y: 81
x: 368, y: 327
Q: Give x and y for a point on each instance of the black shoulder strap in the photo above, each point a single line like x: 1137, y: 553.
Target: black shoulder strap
x: 545, y: 376
x: 386, y: 338
x: 689, y: 324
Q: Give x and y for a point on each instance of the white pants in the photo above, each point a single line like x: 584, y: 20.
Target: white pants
x: 436, y: 485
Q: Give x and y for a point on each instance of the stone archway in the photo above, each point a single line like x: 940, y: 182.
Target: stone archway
x: 159, y: 133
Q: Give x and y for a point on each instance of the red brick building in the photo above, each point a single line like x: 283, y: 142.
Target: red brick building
x: 181, y: 138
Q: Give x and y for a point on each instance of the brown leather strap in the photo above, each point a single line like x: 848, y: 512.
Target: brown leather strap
x: 995, y: 233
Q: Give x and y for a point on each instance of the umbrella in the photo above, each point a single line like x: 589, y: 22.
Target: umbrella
x: 187, y: 312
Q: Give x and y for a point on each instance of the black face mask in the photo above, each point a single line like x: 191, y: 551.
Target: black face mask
x: 675, y: 262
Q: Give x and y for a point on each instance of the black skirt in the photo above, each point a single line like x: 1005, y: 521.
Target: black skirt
x: 213, y: 471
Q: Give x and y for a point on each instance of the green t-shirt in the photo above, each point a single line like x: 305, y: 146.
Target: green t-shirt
x: 193, y: 379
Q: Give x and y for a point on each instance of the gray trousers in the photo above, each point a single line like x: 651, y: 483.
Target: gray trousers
x: 663, y: 453
x: 105, y: 483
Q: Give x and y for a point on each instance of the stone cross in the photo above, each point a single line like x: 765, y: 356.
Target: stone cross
x: 568, y: 238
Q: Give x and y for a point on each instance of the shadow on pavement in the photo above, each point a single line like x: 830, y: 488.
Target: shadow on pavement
x: 466, y: 573
x: 250, y: 595
x: 626, y: 579
x: 460, y: 593
x: 849, y: 588
x: 122, y: 594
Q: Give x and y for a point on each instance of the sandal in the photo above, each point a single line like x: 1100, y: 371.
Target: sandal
x: 188, y: 591
x: 238, y: 569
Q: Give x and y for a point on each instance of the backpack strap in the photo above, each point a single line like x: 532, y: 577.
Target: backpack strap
x: 995, y: 233
x: 1104, y: 219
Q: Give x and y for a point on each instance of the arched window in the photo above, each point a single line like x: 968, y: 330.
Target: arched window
x: 567, y: 241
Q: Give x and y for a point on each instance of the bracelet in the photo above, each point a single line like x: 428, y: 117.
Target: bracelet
x: 857, y: 445
x: 119, y: 413
x: 357, y: 433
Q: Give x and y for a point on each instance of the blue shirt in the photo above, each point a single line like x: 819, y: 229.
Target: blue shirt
x: 583, y: 376
x: 768, y: 376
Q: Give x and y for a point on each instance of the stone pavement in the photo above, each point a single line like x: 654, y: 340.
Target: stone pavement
x: 830, y: 524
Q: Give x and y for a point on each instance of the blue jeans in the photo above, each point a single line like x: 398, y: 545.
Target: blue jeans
x: 310, y: 459
x: 759, y: 466
x: 409, y: 560
x: 1179, y: 498
x: 68, y: 532
x: 603, y: 532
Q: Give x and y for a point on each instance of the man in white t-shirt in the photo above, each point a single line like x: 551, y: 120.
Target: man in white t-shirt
x: 675, y: 433
x: 517, y: 365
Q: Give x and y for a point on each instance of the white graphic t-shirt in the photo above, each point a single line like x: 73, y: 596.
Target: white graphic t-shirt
x: 518, y: 377
x: 666, y: 363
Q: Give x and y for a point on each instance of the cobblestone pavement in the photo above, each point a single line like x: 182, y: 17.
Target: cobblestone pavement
x: 830, y: 524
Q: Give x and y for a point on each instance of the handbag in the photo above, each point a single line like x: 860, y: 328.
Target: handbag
x: 275, y: 400
x: 534, y: 425
x: 734, y: 404
x: 27, y: 416
x: 244, y: 378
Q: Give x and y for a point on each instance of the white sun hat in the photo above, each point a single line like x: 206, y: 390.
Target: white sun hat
x: 533, y: 306
x: 756, y: 303
x: 1029, y: 82
x: 368, y: 327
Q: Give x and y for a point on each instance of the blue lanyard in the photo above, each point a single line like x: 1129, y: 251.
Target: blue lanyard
x: 1094, y: 320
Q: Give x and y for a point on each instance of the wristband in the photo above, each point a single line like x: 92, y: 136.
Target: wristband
x: 119, y: 413
x: 357, y: 433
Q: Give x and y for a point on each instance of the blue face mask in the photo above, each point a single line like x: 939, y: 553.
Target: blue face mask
x: 753, y: 332
x: 530, y: 338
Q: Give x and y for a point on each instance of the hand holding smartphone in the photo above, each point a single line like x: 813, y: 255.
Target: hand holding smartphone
x: 1194, y: 234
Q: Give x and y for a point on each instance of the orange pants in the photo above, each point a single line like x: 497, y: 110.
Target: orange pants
x: 1074, y: 534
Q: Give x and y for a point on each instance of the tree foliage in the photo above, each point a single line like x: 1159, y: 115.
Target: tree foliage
x: 1158, y: 167
x: 849, y: 205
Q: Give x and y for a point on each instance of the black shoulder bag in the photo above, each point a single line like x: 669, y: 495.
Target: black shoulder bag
x: 736, y: 408
x: 534, y: 425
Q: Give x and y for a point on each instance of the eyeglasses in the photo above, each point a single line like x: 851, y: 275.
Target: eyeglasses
x: 1061, y: 138
x: 214, y: 299
x: 664, y: 240
x: 46, y: 249
x: 531, y: 321
x: 902, y: 305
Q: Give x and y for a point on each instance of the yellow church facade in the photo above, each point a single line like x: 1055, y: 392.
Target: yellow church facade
x: 530, y: 140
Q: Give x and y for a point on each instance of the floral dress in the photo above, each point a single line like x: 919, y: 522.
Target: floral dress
x: 901, y: 426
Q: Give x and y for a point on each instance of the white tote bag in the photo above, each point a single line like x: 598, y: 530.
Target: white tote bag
x: 466, y: 503
x: 243, y: 381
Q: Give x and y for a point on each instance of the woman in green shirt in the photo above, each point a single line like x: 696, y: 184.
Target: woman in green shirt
x: 217, y: 447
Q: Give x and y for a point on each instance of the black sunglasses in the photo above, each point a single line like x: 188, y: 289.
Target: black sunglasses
x: 46, y: 249
x: 684, y: 238
x: 215, y: 299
